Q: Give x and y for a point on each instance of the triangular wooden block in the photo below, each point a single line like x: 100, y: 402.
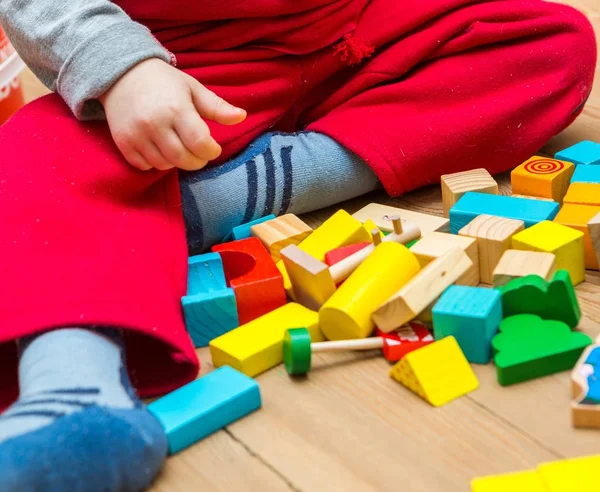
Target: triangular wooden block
x: 438, y: 373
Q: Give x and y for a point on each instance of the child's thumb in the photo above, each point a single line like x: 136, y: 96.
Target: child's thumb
x: 215, y: 108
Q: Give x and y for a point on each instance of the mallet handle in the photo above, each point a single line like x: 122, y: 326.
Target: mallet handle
x: 342, y: 345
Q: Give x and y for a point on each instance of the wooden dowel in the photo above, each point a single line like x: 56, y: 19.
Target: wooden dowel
x: 341, y: 345
x: 397, y: 223
x: 376, y: 233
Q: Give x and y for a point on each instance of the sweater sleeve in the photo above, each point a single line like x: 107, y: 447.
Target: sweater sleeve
x: 78, y: 48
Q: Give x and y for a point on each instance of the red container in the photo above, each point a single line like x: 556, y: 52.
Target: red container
x: 11, y: 92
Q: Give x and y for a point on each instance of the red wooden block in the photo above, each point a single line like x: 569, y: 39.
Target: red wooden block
x: 336, y: 255
x: 411, y: 336
x: 251, y: 273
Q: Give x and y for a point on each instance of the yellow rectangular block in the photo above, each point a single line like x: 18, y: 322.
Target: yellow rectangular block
x: 257, y: 346
x: 456, y: 185
x: 278, y: 233
x: 583, y: 194
x: 381, y: 216
x: 565, y: 243
x: 436, y: 244
x: 571, y: 475
x: 526, y: 481
x: 341, y: 229
x: 494, y: 237
x: 438, y: 373
x: 543, y: 177
x: 412, y: 299
x: 578, y: 217
x: 516, y: 263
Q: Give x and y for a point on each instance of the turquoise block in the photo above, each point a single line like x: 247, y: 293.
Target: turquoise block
x: 204, y: 406
x: 473, y: 204
x: 586, y: 174
x: 243, y: 231
x: 585, y: 152
x: 472, y: 315
x: 209, y: 308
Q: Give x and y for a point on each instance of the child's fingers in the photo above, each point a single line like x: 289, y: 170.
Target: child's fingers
x: 134, y: 158
x: 176, y: 153
x: 214, y: 107
x: 153, y: 156
x: 195, y: 135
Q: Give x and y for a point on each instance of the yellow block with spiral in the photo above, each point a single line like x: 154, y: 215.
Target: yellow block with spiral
x: 347, y: 313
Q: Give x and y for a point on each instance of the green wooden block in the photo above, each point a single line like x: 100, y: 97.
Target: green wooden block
x: 529, y: 347
x: 554, y: 300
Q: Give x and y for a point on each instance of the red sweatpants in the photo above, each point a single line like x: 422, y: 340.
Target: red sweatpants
x: 416, y: 88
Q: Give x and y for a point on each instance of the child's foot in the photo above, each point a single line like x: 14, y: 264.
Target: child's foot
x: 277, y: 173
x: 78, y: 424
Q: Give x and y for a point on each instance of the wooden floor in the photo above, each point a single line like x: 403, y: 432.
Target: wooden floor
x: 349, y: 427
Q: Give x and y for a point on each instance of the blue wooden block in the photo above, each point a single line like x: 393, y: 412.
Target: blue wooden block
x: 472, y: 315
x: 473, y: 204
x: 585, y: 152
x: 209, y: 308
x: 204, y: 406
x: 586, y: 174
x: 243, y: 231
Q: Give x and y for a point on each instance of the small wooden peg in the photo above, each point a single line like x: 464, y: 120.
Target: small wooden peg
x: 376, y: 233
x: 397, y: 223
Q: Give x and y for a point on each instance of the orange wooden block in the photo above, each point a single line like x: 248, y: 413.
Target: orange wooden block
x: 543, y: 177
x: 577, y: 217
x: 583, y: 194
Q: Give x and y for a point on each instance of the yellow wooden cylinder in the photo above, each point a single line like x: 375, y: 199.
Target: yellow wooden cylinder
x: 347, y: 313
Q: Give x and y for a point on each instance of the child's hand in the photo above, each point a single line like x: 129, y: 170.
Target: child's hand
x: 155, y: 116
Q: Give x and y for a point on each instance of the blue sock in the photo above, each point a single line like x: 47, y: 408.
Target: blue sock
x: 277, y: 174
x: 78, y: 424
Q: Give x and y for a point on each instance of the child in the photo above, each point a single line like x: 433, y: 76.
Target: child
x: 298, y: 105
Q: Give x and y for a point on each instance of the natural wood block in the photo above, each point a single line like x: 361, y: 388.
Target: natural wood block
x: 456, y: 185
x: 436, y: 244
x: 585, y: 387
x: 494, y: 236
x: 280, y: 232
x: 578, y: 217
x: 515, y: 263
x: 381, y: 216
x: 543, y: 177
x: 565, y: 243
x: 594, y: 230
x: 422, y: 290
x: 583, y: 194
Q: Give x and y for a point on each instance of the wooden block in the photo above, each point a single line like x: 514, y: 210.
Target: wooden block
x: 436, y: 244
x: 543, y: 177
x: 528, y: 347
x: 472, y: 315
x: 438, y: 373
x: 456, y: 185
x: 406, y: 339
x: 473, y: 204
x: 257, y: 346
x: 204, y: 406
x: 565, y: 243
x: 594, y: 229
x: 312, y: 283
x: 422, y: 290
x: 532, y: 197
x: 583, y: 194
x: 381, y: 216
x: 585, y: 388
x: 347, y: 313
x: 253, y: 276
x: 571, y: 475
x: 516, y: 264
x: 526, y: 481
x: 585, y: 152
x: 554, y: 300
x: 341, y: 229
x: 243, y: 231
x: 336, y: 255
x: 280, y: 232
x: 209, y: 307
x: 578, y: 217
x: 586, y: 174
x: 494, y: 237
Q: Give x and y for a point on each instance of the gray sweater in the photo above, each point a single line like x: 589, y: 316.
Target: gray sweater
x: 78, y: 48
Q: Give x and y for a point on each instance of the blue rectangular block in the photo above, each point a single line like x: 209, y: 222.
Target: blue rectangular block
x: 473, y: 204
x: 204, y: 406
x: 243, y: 231
x: 472, y: 315
x: 586, y: 174
x: 585, y: 152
